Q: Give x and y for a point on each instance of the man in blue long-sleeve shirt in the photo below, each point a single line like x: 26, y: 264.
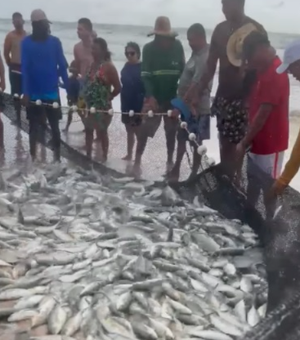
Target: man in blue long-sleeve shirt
x: 42, y: 63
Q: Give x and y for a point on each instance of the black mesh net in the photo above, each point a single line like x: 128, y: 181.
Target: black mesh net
x: 280, y: 236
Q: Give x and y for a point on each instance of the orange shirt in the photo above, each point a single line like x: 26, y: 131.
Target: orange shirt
x: 291, y: 167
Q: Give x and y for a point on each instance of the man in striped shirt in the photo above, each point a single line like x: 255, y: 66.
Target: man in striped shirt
x: 162, y: 64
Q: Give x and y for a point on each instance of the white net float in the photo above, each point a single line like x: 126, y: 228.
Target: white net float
x: 74, y: 108
x: 131, y: 113
x: 38, y: 102
x: 16, y: 95
x: 92, y: 110
x: 202, y: 150
x: 111, y: 112
x: 169, y: 113
x: 211, y: 161
x: 183, y: 125
x: 150, y: 113
x: 55, y: 105
x: 192, y: 137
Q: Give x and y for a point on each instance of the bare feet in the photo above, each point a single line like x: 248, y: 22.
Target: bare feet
x: 137, y: 171
x: 127, y: 158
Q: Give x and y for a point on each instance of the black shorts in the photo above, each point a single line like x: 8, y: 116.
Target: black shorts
x: 232, y: 118
x: 33, y: 110
x: 136, y: 120
x: 15, y: 80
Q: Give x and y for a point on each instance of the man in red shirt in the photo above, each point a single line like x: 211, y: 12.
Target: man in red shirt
x: 268, y: 131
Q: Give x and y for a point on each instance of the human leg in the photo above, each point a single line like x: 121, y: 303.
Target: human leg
x: 182, y: 138
x: 69, y: 121
x: 171, y: 127
x: 131, y: 132
x: 16, y: 89
x: 53, y: 116
x: 232, y: 124
x: 34, y: 116
x: 271, y: 165
x: 147, y: 130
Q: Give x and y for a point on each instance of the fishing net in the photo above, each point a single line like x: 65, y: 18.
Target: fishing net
x: 280, y: 236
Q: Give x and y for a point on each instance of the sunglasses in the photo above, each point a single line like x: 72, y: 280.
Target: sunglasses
x: 130, y: 54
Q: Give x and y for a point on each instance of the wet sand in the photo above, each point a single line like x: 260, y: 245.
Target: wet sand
x: 154, y: 159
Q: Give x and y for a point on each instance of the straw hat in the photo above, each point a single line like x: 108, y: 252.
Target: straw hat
x: 235, y: 44
x: 163, y: 27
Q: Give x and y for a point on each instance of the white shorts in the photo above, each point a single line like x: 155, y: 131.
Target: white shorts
x: 270, y: 164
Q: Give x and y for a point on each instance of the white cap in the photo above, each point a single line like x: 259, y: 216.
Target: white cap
x: 291, y: 54
x: 39, y: 15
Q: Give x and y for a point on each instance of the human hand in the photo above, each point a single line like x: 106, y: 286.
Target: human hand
x: 25, y: 100
x: 150, y: 104
x: 277, y: 189
x: 175, y: 113
x: 153, y: 104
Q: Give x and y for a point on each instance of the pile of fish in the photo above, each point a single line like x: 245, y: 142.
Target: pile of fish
x: 93, y: 257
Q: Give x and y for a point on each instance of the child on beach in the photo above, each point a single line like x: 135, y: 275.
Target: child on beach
x: 74, y: 87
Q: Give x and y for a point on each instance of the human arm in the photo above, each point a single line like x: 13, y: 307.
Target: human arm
x: 7, y: 49
x: 291, y: 168
x: 25, y: 67
x: 2, y: 75
x: 76, y: 57
x: 257, y: 124
x: 113, y: 79
x: 146, y: 71
x: 211, y: 63
x: 62, y: 65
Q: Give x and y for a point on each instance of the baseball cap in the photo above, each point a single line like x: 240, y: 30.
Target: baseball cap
x: 291, y: 54
x: 38, y: 15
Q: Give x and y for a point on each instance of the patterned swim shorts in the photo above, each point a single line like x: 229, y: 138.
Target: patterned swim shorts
x: 232, y: 118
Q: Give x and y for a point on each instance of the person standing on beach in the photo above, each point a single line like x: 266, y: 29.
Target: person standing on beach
x: 83, y: 50
x: 12, y: 55
x: 101, y: 86
x: 42, y: 63
x: 290, y: 64
x: 193, y: 71
x: 268, y: 131
x: 73, y: 95
x: 163, y: 61
x: 228, y: 104
x: 132, y: 94
x: 83, y: 56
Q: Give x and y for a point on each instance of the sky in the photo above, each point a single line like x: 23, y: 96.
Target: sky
x: 276, y: 15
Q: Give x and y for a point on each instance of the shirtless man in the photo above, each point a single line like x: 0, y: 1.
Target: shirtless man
x: 83, y: 49
x: 83, y: 52
x: 228, y: 105
x: 12, y: 55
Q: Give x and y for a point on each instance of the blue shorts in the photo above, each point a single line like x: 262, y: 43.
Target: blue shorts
x: 202, y: 133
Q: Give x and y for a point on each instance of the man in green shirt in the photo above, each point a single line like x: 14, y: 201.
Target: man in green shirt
x: 162, y: 64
